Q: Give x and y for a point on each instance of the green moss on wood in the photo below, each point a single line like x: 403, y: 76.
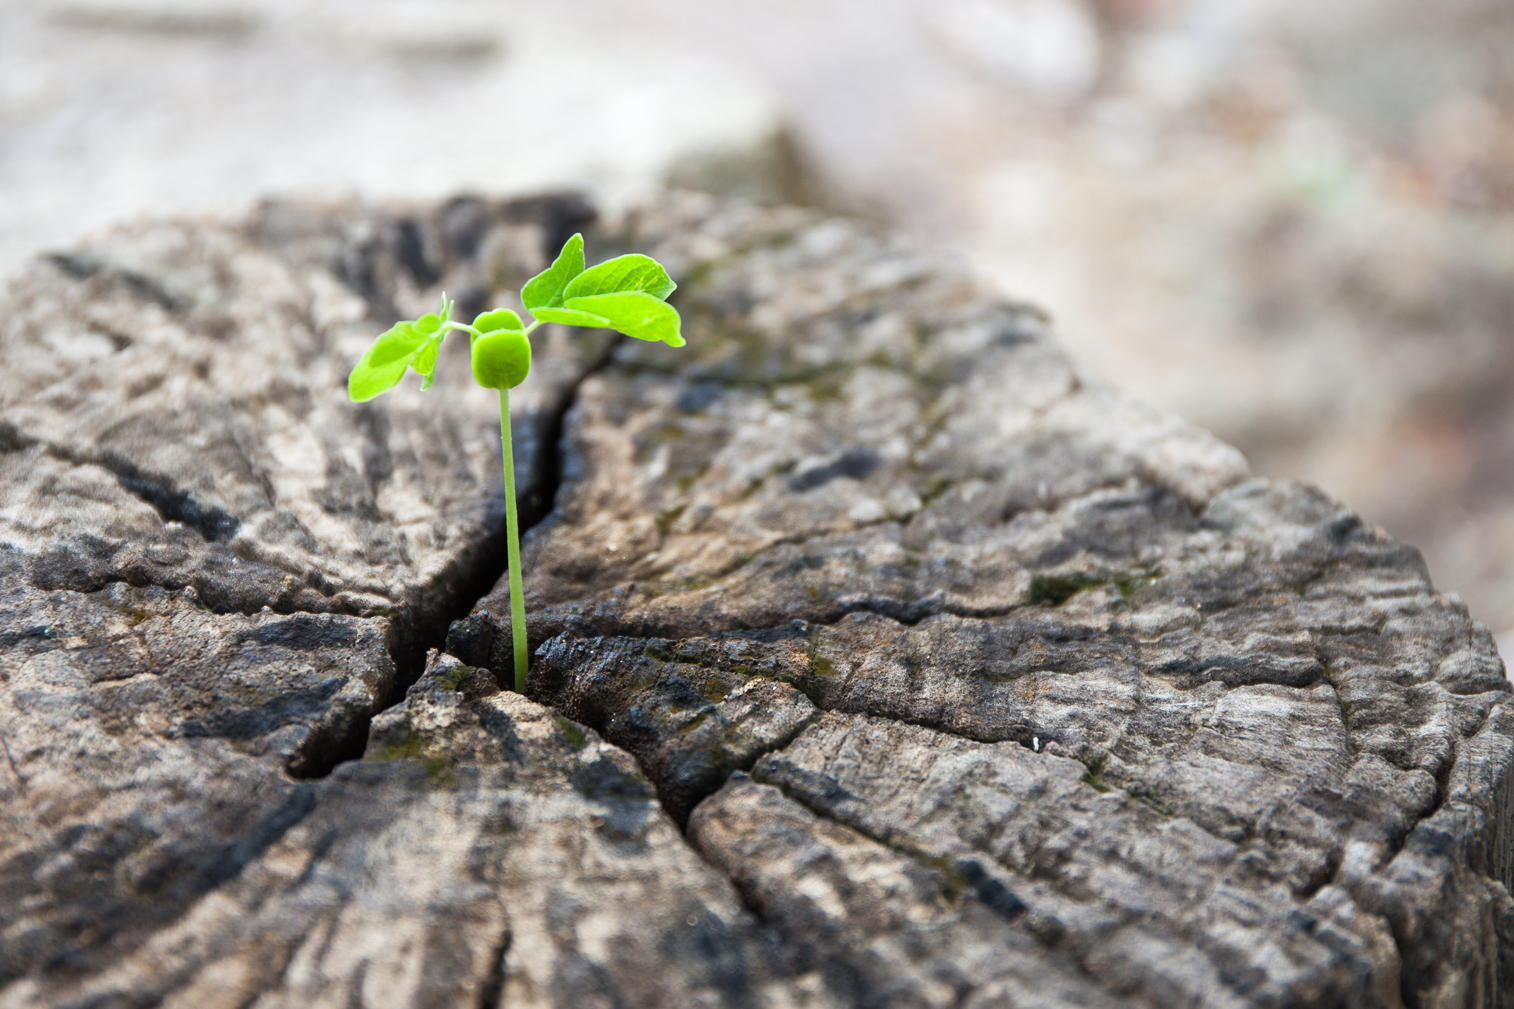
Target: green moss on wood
x: 572, y: 733
x: 454, y: 678
x: 1093, y: 775
x: 1057, y: 589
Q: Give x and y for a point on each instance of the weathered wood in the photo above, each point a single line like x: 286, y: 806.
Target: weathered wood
x: 965, y: 684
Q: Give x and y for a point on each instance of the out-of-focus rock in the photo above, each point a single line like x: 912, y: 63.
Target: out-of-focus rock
x: 1047, y: 47
x: 116, y: 108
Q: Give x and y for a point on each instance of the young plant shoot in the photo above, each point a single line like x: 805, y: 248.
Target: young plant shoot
x: 627, y: 294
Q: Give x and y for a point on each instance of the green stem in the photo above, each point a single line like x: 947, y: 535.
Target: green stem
x: 512, y: 535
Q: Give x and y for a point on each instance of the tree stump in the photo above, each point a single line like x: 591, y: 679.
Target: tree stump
x: 877, y: 660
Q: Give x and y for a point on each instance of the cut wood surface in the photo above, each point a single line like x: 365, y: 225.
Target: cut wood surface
x: 878, y: 661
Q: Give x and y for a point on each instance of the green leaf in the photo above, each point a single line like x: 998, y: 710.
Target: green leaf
x: 385, y: 362
x: 545, y: 290
x: 398, y: 344
x: 367, y: 382
x: 428, y: 323
x: 569, y: 317
x: 424, y: 362
x: 634, y: 314
x: 621, y: 275
x: 501, y: 359
x: 500, y: 318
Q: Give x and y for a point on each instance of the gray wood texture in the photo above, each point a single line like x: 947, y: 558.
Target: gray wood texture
x: 878, y: 660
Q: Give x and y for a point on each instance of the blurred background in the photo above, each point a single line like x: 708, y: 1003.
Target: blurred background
x: 1289, y: 221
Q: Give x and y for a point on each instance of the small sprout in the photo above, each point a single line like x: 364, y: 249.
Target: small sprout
x: 627, y: 294
x: 501, y: 352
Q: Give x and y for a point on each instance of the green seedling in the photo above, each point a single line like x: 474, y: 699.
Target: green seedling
x: 627, y: 294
